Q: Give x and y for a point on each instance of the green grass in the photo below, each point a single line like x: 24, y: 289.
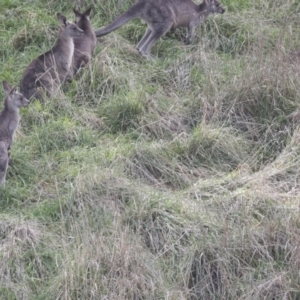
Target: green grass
x: 173, y: 178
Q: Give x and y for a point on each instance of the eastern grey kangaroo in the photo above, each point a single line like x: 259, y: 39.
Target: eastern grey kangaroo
x: 51, y: 69
x: 84, y: 44
x: 163, y: 15
x: 9, y: 121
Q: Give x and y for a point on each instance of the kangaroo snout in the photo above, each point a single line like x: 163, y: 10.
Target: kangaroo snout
x: 80, y: 31
x: 74, y: 30
x: 25, y: 101
x: 221, y: 10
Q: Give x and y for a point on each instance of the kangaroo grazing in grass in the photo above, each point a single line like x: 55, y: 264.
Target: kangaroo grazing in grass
x: 84, y: 44
x: 51, y: 69
x: 9, y: 122
x: 162, y: 16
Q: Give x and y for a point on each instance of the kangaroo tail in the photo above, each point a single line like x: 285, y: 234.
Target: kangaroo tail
x: 132, y: 13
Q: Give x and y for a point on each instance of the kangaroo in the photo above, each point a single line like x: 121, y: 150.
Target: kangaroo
x: 162, y: 16
x: 51, y: 69
x: 9, y: 122
x: 84, y: 44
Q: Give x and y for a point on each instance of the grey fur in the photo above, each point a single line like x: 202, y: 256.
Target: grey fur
x: 85, y: 44
x: 47, y: 72
x: 9, y: 122
x: 162, y: 16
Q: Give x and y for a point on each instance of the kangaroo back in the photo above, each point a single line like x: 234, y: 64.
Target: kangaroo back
x: 39, y: 77
x: 133, y: 12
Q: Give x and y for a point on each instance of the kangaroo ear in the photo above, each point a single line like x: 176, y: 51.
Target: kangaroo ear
x: 6, y: 87
x: 88, y: 12
x: 77, y: 13
x: 14, y: 90
x: 62, y: 19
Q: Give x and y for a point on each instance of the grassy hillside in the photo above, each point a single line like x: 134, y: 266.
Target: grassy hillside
x: 177, y: 178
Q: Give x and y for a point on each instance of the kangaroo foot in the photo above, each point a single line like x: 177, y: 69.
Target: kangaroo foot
x: 148, y: 56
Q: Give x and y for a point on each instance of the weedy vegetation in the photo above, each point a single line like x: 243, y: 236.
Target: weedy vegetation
x: 173, y: 178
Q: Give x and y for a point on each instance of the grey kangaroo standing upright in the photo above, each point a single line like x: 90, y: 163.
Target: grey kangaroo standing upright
x: 84, y: 44
x: 9, y: 122
x: 163, y: 15
x: 51, y: 69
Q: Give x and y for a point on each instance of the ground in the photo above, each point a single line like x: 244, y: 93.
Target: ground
x: 172, y: 178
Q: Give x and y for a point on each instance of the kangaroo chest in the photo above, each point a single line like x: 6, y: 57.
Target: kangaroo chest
x: 64, y: 56
x: 67, y: 56
x: 71, y: 53
x: 8, y: 127
x: 13, y: 125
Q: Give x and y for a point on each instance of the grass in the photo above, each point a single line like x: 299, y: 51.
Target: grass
x: 176, y: 178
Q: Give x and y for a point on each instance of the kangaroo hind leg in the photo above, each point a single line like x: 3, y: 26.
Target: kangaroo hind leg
x: 144, y: 39
x: 158, y: 30
x: 3, y: 163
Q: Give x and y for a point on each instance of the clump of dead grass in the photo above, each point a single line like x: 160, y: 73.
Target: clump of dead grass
x: 113, y: 265
x: 22, y: 264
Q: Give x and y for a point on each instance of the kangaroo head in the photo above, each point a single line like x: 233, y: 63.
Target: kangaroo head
x: 83, y: 19
x: 68, y: 28
x: 14, y: 99
x: 214, y: 6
